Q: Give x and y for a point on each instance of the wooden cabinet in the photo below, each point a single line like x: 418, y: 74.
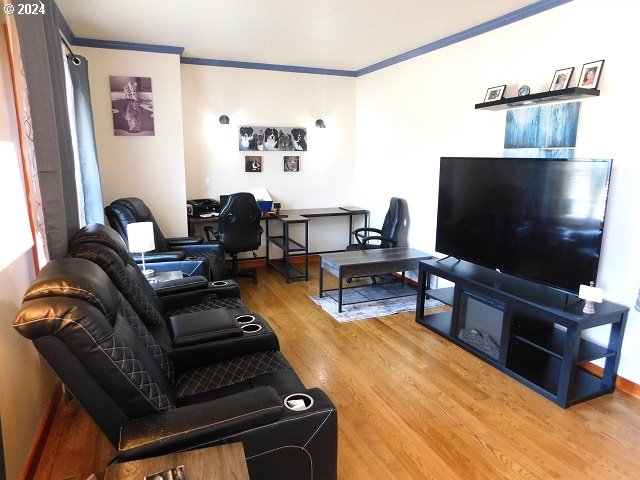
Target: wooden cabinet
x: 533, y: 333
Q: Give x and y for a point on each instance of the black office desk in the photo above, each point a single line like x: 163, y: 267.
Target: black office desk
x: 290, y: 247
x: 300, y: 248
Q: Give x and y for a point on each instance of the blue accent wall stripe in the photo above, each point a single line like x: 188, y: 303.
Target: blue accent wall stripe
x: 265, y: 66
x: 502, y: 21
x: 139, y: 47
x: 520, y: 14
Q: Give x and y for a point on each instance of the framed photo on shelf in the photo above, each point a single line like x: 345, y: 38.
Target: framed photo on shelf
x: 495, y: 93
x: 590, y: 75
x: 561, y: 79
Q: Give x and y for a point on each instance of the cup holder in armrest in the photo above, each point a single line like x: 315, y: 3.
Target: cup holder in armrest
x: 251, y: 327
x: 219, y: 283
x: 244, y: 319
x: 298, y: 402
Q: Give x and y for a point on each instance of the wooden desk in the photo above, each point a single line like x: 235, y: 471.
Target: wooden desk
x: 214, y: 463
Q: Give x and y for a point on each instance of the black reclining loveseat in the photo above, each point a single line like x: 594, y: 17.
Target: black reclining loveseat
x: 147, y: 403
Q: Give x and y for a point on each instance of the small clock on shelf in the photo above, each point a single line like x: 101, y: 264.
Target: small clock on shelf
x: 524, y: 90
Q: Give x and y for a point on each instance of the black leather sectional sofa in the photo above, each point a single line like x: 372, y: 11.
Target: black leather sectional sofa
x: 179, y: 369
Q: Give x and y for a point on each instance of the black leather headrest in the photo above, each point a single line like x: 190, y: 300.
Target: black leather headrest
x: 101, y: 234
x: 139, y: 209
x: 119, y: 216
x: 76, y: 278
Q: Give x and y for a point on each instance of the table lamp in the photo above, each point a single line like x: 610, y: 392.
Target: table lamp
x: 590, y: 294
x: 140, y: 235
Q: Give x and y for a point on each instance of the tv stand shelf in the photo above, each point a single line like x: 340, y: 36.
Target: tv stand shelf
x: 529, y: 331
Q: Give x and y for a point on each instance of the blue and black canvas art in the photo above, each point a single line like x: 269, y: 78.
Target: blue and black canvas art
x: 548, y: 126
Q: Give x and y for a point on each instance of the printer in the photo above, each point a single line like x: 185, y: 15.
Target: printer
x: 202, y: 206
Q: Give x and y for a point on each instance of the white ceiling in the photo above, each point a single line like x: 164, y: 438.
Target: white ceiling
x: 334, y: 34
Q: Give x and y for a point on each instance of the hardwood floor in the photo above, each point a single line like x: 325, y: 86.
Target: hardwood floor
x: 411, y: 405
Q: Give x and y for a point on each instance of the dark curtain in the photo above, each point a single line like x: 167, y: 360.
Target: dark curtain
x: 42, y: 60
x: 88, y: 156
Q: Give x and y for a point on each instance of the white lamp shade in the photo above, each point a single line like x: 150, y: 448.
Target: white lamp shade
x: 140, y: 236
x: 591, y: 294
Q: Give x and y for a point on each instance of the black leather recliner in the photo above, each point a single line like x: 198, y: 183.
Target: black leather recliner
x: 184, y: 310
x: 147, y: 406
x: 239, y: 229
x: 123, y: 211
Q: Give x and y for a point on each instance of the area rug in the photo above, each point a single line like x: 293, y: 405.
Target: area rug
x: 370, y: 309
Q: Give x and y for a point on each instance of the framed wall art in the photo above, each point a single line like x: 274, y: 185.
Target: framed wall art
x: 265, y: 139
x: 252, y: 164
x: 291, y: 163
x: 495, y: 93
x: 590, y: 74
x: 561, y: 79
x: 132, y: 106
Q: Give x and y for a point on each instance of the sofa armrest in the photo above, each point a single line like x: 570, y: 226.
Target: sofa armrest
x: 229, y: 289
x: 172, y: 256
x: 199, y: 424
x: 203, y: 247
x: 181, y: 241
x: 179, y: 285
x: 203, y: 326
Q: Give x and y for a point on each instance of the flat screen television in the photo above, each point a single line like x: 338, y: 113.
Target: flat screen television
x: 538, y: 219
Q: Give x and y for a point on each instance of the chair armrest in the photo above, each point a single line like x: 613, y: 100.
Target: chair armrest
x: 203, y: 247
x: 211, y: 233
x: 173, y: 256
x: 199, y: 424
x: 367, y: 229
x: 180, y: 241
x: 376, y: 237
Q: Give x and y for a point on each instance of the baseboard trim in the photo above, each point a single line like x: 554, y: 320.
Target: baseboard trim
x: 40, y: 440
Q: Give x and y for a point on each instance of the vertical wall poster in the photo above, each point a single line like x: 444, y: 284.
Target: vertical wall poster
x: 132, y: 106
x: 547, y: 131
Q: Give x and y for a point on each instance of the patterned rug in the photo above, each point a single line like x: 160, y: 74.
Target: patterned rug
x: 376, y: 302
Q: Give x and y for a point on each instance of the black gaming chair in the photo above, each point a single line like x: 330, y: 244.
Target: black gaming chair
x: 385, y: 237
x: 239, y: 230
x: 131, y: 209
x: 147, y: 404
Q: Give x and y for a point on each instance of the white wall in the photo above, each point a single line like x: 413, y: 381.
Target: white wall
x: 279, y: 99
x: 151, y: 168
x: 425, y: 109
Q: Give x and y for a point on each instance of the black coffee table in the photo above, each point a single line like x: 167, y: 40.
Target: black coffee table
x: 358, y: 263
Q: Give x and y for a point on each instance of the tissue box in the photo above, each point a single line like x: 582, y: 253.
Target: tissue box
x: 265, y: 206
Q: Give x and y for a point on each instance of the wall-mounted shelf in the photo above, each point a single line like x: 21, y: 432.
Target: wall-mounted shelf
x: 573, y: 93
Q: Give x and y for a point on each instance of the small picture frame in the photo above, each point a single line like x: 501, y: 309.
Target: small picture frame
x: 590, y: 74
x: 561, y: 79
x: 495, y: 93
x: 291, y: 163
x: 253, y: 163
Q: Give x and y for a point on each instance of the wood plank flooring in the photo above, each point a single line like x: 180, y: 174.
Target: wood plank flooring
x: 411, y: 405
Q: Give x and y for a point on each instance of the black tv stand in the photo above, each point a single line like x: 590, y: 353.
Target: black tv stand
x: 529, y: 331
x: 445, y: 258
